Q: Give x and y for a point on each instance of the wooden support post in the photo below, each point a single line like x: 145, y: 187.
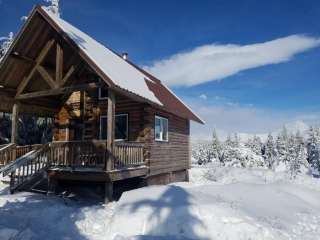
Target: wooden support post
x: 110, y: 129
x: 108, y: 192
x: 52, y: 186
x: 82, y: 112
x: 14, y: 128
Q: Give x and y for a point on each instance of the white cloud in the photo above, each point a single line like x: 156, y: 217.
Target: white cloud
x: 203, y: 96
x: 217, y: 61
x: 243, y: 119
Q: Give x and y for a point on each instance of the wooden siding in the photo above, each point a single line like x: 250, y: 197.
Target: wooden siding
x: 162, y: 157
x: 171, y: 156
x: 70, y: 112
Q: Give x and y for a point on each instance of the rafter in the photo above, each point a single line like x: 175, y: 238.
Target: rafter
x: 46, y: 76
x: 59, y: 64
x: 58, y: 91
x: 68, y: 75
x: 39, y: 60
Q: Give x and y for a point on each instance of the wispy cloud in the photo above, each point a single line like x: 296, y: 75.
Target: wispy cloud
x: 217, y: 61
x: 203, y: 96
x: 228, y: 119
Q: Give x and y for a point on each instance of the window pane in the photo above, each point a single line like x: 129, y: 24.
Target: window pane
x: 121, y: 130
x: 103, y: 92
x: 158, y: 129
x: 165, y: 129
x: 161, y: 129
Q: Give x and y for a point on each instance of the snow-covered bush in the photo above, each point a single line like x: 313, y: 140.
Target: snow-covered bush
x: 202, y: 153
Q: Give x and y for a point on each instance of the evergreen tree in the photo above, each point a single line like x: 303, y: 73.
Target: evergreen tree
x: 216, y: 146
x: 313, y: 148
x: 300, y: 156
x: 231, y: 152
x: 257, y: 145
x: 282, y: 146
x: 291, y: 157
x: 270, y: 153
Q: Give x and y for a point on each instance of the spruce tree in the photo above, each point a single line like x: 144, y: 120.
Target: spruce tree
x: 282, y: 146
x: 301, y: 156
x: 313, y: 148
x: 216, y: 146
x: 257, y: 145
x: 270, y: 154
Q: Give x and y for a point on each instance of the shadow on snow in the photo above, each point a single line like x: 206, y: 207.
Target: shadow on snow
x: 172, y: 215
x: 36, y: 216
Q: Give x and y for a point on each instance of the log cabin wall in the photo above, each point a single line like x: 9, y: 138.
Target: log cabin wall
x: 167, y: 161
x: 70, y: 114
x: 172, y: 156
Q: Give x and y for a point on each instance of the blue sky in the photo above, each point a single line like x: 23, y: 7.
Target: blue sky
x: 258, y: 98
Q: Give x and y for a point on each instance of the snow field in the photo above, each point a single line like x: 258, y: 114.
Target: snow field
x: 218, y: 203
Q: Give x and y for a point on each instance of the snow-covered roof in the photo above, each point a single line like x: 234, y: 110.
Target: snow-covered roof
x: 117, y: 69
x: 122, y: 73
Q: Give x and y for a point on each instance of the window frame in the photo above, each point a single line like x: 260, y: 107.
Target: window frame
x: 116, y: 115
x: 99, y: 95
x: 155, y: 135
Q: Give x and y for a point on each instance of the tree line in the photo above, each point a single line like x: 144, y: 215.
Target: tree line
x: 287, y: 151
x: 31, y: 130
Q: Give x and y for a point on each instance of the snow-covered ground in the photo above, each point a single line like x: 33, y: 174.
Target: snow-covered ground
x: 218, y: 203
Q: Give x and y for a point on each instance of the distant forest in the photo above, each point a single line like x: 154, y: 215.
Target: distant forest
x: 31, y: 130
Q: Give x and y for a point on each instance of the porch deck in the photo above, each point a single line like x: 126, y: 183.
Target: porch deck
x: 73, y: 160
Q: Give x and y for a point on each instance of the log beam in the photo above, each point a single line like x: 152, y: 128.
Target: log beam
x: 58, y: 91
x: 59, y: 64
x: 39, y: 60
x: 46, y: 76
x: 68, y: 75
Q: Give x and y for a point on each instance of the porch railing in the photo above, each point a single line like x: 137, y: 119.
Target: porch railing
x: 80, y: 154
x: 22, y: 150
x: 77, y: 154
x: 27, y: 166
x: 7, y: 154
x: 93, y: 154
x: 128, y: 154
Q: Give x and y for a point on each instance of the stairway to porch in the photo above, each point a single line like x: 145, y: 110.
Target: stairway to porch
x: 73, y: 160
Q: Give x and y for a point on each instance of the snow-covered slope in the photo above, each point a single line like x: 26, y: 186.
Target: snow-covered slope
x: 239, y: 204
x: 219, y: 203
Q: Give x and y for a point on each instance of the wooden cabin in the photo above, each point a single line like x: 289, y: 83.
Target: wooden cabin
x: 113, y: 120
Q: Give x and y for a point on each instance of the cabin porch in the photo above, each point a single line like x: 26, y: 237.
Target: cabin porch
x: 88, y: 161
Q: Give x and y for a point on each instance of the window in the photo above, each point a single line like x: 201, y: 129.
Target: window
x: 103, y: 93
x: 121, y: 127
x: 161, y: 129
